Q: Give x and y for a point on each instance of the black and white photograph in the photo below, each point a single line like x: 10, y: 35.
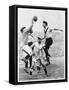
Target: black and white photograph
x: 41, y: 44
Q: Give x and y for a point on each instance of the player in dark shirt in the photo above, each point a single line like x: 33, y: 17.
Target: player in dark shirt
x: 48, y: 41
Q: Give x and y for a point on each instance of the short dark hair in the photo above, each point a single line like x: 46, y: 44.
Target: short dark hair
x: 39, y: 38
x: 30, y: 43
x: 35, y: 18
x: 45, y: 22
x: 22, y: 29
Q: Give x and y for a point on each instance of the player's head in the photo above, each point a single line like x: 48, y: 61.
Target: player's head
x: 22, y: 29
x: 45, y: 24
x: 35, y: 18
x: 30, y: 43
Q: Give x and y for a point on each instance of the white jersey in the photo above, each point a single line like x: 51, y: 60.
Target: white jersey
x: 27, y: 49
x: 30, y: 38
x: 37, y: 49
x: 37, y: 45
x: 48, y: 33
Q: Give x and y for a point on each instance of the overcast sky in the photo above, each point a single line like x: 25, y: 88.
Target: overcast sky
x: 55, y: 19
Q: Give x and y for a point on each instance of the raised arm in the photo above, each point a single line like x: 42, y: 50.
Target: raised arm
x: 34, y: 19
x: 51, y: 30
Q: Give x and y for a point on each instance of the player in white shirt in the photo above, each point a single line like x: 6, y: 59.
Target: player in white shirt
x: 39, y: 58
x: 26, y: 31
x: 27, y: 55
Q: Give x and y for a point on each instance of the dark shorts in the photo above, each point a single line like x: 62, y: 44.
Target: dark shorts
x: 48, y: 42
